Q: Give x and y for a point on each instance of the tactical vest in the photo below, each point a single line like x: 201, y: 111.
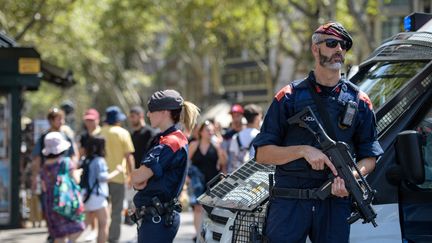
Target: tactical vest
x: 334, y: 104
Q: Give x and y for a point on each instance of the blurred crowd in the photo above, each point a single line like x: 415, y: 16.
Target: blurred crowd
x: 105, y: 151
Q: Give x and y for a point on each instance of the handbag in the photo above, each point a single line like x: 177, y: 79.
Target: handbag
x: 67, y: 197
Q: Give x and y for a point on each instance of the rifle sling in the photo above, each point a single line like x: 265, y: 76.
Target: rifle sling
x: 322, y: 111
x: 293, y: 193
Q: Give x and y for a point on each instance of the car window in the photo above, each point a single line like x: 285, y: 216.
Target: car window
x: 425, y: 129
x: 384, y: 79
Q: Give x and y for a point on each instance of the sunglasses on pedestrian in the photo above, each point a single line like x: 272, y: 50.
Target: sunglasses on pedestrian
x: 332, y: 43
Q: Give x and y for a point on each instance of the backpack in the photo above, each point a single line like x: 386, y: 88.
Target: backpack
x: 85, y: 179
x: 244, y: 152
x: 67, y: 197
x: 242, y: 155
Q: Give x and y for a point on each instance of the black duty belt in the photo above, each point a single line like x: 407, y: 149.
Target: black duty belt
x: 156, y: 212
x: 293, y: 193
x: 144, y: 211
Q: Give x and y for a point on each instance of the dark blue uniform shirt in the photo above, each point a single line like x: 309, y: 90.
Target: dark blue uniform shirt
x: 168, y: 160
x: 361, y: 136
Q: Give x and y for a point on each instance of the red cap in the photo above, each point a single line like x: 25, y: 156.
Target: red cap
x: 91, y: 114
x: 237, y: 109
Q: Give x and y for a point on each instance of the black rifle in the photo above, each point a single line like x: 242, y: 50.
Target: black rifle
x: 339, y: 155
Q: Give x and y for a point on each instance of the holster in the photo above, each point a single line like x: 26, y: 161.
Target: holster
x: 156, y: 211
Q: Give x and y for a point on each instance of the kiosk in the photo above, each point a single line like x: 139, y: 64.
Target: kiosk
x: 21, y: 69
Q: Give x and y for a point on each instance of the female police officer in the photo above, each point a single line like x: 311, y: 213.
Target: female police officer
x: 161, y: 175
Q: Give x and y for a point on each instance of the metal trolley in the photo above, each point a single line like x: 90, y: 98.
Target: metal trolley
x: 235, y: 205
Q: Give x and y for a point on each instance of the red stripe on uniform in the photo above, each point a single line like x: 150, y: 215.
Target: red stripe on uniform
x: 175, y: 140
x: 285, y: 90
x: 363, y: 96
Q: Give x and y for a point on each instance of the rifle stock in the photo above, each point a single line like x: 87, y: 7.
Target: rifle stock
x: 339, y: 155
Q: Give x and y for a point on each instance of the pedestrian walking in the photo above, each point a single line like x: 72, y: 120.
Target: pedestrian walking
x: 207, y: 161
x: 61, y: 227
x: 56, y: 121
x: 119, y: 151
x: 236, y: 126
x: 91, y: 119
x: 94, y: 185
x: 142, y: 135
x: 241, y: 149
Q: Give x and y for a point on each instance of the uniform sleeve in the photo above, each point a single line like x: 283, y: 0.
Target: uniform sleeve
x: 273, y: 128
x: 366, y: 142
x: 159, y: 158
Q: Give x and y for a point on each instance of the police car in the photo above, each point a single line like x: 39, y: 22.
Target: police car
x: 397, y: 76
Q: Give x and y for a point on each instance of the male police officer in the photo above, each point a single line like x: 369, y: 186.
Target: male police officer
x: 301, y: 166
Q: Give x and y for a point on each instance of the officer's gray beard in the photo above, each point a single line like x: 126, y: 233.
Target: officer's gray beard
x: 329, y: 62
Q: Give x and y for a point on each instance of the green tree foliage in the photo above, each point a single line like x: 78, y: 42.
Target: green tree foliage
x: 122, y: 50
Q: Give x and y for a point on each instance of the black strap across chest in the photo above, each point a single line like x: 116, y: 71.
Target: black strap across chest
x: 322, y: 111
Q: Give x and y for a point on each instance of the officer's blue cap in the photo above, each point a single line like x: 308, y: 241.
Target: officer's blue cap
x: 165, y: 100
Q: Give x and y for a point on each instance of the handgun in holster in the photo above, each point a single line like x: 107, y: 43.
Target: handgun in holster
x: 136, y: 215
x: 163, y: 211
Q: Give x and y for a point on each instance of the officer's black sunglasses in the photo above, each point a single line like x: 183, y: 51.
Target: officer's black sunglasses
x: 332, y: 43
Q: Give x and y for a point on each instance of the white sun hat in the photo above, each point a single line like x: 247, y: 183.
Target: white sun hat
x: 55, y: 143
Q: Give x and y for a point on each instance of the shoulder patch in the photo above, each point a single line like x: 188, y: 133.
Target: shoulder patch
x: 285, y: 90
x: 174, y: 140
x: 365, y: 98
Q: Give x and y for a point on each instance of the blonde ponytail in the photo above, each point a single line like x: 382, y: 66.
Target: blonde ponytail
x: 189, y: 115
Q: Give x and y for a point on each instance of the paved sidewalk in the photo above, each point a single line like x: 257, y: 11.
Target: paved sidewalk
x: 128, y: 235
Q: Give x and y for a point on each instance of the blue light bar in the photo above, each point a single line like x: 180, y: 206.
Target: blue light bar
x: 408, y: 23
x: 415, y: 21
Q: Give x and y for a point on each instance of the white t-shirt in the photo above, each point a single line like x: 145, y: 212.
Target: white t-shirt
x: 245, y: 136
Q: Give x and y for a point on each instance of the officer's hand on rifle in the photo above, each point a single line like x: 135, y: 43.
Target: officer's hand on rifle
x: 317, y: 159
x: 338, y: 187
x: 356, y: 175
